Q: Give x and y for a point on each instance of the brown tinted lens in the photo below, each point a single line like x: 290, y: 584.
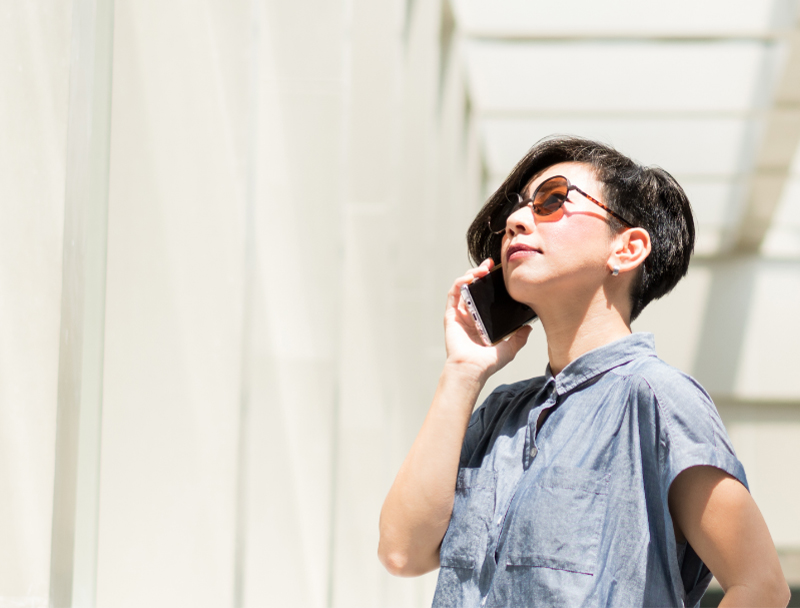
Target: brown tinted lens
x: 550, y: 195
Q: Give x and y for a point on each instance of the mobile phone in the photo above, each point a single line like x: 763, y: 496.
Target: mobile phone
x: 495, y: 312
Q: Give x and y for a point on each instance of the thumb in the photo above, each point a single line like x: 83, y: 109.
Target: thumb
x: 519, y: 338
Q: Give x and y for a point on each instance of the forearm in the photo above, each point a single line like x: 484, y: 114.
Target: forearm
x: 417, y: 510
x: 753, y: 596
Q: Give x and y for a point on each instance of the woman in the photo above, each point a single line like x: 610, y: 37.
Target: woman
x: 610, y: 480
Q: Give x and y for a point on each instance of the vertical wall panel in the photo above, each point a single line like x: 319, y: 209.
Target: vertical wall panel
x: 73, y: 556
x: 370, y: 242
x: 296, y: 304
x: 173, y: 340
x: 34, y: 55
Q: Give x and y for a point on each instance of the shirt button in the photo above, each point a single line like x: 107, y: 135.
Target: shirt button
x: 534, y: 451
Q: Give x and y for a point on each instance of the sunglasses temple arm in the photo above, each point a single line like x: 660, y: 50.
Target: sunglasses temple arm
x: 596, y: 202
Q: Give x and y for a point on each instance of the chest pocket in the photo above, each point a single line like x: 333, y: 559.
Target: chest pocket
x: 473, y: 508
x: 558, y: 521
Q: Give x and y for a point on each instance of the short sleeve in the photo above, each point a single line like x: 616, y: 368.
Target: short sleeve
x: 692, y: 432
x: 689, y: 433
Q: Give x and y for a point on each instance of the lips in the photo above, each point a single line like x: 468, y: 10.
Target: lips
x: 519, y: 250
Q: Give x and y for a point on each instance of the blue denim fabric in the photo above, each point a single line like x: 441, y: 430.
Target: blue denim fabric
x: 577, y: 515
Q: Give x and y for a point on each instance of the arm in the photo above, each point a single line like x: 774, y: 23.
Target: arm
x: 417, y: 510
x: 721, y: 521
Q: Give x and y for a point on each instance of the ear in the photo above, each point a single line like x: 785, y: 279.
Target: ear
x: 630, y: 250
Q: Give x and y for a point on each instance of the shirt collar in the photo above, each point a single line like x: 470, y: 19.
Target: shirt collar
x: 599, y: 360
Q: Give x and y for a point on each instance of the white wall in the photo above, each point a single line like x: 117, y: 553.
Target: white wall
x: 34, y: 55
x: 325, y: 120
x: 290, y: 184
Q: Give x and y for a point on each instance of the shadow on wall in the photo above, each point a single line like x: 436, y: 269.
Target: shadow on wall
x: 724, y: 326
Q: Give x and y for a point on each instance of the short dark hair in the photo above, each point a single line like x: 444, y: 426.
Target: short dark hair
x: 648, y: 197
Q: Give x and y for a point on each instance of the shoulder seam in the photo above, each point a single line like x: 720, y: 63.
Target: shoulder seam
x: 622, y: 370
x: 664, y: 416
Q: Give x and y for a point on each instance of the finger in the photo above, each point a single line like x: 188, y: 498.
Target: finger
x: 464, y: 317
x: 467, y: 323
x: 518, y: 339
x: 461, y: 313
x: 483, y: 269
x: 454, y: 295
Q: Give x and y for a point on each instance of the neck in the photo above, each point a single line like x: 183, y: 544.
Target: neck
x: 573, y: 332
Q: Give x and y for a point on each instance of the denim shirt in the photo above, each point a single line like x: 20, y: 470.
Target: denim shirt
x: 577, y: 514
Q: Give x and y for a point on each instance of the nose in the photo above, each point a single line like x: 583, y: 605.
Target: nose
x: 521, y: 221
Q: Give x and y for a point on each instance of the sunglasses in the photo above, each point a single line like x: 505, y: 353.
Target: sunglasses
x: 548, y: 198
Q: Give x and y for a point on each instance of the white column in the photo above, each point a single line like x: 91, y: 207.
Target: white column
x: 73, y: 559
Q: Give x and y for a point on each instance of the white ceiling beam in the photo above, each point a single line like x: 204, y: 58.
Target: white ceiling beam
x: 531, y: 114
x: 774, y: 157
x: 512, y: 36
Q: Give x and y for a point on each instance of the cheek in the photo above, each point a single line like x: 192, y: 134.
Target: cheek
x: 580, y: 243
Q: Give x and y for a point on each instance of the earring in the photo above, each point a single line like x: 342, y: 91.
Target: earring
x: 615, y: 271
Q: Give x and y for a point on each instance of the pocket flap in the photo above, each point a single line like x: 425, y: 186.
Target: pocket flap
x: 456, y: 561
x: 554, y: 563
x: 569, y: 478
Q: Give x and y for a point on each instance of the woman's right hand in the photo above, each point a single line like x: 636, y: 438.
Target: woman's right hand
x: 463, y: 342
x: 417, y: 510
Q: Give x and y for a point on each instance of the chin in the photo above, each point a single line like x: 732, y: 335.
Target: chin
x: 522, y: 280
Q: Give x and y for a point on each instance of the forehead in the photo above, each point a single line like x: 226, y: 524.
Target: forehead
x: 579, y: 174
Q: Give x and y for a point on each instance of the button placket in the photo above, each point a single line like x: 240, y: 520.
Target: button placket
x: 551, y: 404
